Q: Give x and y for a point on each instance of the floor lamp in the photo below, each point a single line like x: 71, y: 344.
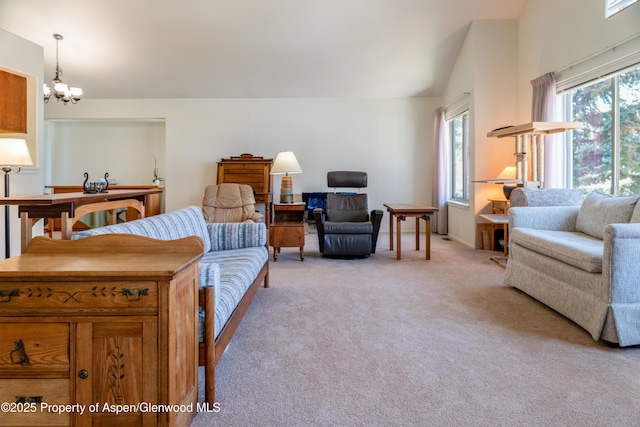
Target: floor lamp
x: 14, y: 154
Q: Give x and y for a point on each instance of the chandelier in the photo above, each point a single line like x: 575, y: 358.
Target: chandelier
x: 61, y: 91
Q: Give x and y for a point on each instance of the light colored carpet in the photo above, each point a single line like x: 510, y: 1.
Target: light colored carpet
x: 381, y: 342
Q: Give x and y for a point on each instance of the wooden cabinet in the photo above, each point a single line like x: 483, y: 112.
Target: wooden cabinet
x: 101, y: 324
x: 254, y: 171
x: 287, y: 229
x: 13, y: 103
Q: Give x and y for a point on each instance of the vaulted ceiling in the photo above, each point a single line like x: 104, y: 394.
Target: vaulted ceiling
x: 251, y: 48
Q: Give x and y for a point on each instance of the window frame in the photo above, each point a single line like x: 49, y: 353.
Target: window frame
x: 462, y: 114
x: 564, y: 101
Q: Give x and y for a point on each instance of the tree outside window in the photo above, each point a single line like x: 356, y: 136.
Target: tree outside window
x: 605, y: 153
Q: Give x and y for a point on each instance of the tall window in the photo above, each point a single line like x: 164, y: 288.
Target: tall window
x: 459, y: 134
x: 605, y: 153
x: 615, y: 6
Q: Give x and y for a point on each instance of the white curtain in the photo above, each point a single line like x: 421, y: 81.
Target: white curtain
x: 441, y: 174
x: 543, y: 109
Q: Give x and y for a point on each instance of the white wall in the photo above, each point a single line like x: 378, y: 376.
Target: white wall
x: 486, y: 67
x: 24, y: 58
x: 124, y: 149
x: 391, y: 139
x: 554, y: 34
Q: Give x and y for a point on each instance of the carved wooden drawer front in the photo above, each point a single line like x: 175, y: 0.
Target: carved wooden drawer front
x: 109, y: 319
x: 20, y: 394
x: 110, y: 296
x: 33, y: 348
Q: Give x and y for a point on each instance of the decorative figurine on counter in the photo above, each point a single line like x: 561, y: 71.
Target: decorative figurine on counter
x: 93, y: 187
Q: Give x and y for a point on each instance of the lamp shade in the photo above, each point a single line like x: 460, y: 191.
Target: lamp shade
x: 14, y: 152
x: 507, y: 174
x: 285, y: 163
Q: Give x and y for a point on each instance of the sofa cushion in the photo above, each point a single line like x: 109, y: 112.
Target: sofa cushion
x: 347, y: 207
x: 523, y: 196
x: 599, y: 210
x: 635, y: 216
x: 348, y: 227
x: 168, y: 226
x: 233, y: 235
x: 238, y: 269
x: 574, y: 248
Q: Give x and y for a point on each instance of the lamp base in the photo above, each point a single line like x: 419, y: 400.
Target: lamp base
x: 286, y: 189
x: 507, y: 189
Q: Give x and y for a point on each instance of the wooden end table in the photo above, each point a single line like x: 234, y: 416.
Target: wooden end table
x: 403, y: 210
x: 498, y: 220
x: 287, y: 228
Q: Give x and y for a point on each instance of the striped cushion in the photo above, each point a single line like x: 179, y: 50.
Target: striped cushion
x: 168, y: 226
x: 238, y: 269
x: 226, y: 236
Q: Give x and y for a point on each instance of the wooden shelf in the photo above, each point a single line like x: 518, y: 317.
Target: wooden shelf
x: 535, y: 128
x: 530, y: 146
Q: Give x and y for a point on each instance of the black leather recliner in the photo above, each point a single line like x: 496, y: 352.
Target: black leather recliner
x: 347, y: 229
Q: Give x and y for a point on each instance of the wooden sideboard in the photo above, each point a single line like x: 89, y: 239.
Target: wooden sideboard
x: 152, y: 207
x: 254, y: 171
x: 110, y: 319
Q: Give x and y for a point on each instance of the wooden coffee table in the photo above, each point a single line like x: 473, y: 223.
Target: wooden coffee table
x: 403, y: 210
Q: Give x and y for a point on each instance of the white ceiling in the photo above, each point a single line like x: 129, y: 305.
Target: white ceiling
x: 251, y: 48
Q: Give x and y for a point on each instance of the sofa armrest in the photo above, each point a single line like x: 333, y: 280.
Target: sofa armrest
x: 560, y: 218
x: 236, y: 235
x: 620, y: 265
x: 318, y: 216
x: 376, y: 219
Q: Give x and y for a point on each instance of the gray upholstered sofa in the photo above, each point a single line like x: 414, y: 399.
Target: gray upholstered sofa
x: 523, y: 196
x: 234, y: 265
x: 582, y: 261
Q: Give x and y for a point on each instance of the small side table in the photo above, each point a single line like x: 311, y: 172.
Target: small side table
x: 497, y: 220
x: 287, y: 228
x: 403, y: 210
x: 499, y: 206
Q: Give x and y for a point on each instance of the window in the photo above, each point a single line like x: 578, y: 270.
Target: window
x: 459, y: 136
x: 614, y: 6
x: 605, y: 153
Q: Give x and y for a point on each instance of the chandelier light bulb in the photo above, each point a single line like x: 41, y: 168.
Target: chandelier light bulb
x: 61, y: 91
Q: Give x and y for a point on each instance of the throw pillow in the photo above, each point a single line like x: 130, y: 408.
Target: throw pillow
x: 599, y: 210
x: 635, y: 217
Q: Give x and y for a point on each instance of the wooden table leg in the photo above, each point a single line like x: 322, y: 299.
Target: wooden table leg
x: 417, y: 233
x: 391, y: 230
x: 504, y: 237
x: 301, y: 253
x: 398, y: 236
x: 26, y: 232
x: 66, y: 226
x: 427, y: 219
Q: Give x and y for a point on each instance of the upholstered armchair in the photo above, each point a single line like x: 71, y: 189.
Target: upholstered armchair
x: 230, y: 202
x: 347, y: 229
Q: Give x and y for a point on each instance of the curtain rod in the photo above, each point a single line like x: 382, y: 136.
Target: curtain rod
x: 600, y: 52
x: 450, y: 103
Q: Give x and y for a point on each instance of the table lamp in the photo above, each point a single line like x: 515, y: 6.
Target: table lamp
x: 508, y: 178
x: 14, y: 154
x: 286, y: 163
